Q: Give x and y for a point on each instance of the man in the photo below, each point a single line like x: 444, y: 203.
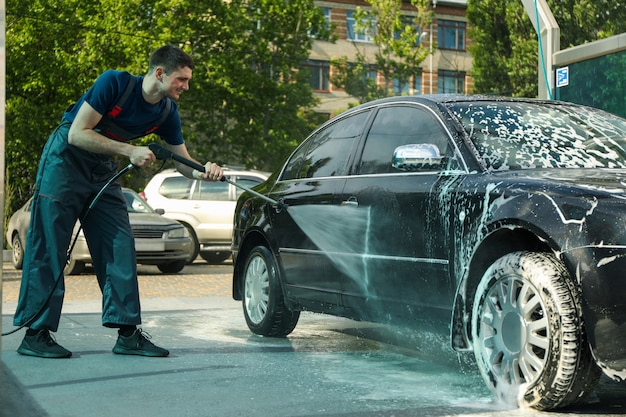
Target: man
x: 75, y: 166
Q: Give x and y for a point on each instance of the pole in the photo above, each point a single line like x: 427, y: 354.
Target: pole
x: 548, y: 33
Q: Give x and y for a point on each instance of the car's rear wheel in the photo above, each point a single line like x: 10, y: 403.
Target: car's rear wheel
x: 172, y: 267
x: 215, y: 258
x: 263, y: 301
x: 528, y: 336
x: 18, y: 252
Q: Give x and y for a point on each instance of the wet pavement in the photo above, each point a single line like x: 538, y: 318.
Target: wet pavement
x: 327, y: 367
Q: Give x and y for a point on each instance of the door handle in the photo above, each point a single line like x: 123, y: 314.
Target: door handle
x: 352, y: 202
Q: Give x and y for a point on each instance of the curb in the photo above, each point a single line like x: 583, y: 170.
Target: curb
x: 6, y: 255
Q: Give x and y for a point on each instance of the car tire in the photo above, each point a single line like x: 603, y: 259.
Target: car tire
x: 172, y: 267
x: 17, y: 257
x: 74, y: 267
x: 195, y: 245
x: 215, y: 258
x: 263, y: 301
x: 528, y: 336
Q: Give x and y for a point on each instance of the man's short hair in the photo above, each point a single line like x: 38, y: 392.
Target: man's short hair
x: 170, y: 58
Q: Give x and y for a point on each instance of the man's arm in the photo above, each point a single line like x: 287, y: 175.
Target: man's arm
x: 83, y: 136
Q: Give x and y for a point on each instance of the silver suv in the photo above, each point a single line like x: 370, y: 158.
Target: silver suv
x: 205, y: 208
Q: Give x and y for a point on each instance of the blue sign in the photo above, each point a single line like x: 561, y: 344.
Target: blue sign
x: 562, y: 77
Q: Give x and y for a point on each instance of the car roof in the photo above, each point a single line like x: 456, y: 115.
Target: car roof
x: 442, y: 99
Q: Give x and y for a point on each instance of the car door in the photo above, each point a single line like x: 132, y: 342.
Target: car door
x: 310, y: 184
x: 405, y: 264
x: 212, y: 204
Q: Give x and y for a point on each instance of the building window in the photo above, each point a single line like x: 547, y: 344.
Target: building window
x: 320, y: 71
x: 451, y: 35
x: 408, y: 21
x: 411, y: 86
x: 355, y: 34
x: 326, y: 11
x: 451, y: 82
x: 327, y: 24
x: 417, y: 83
x: 401, y: 88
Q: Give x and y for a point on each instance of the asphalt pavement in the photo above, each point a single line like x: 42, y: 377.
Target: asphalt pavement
x: 26, y: 382
x: 327, y: 367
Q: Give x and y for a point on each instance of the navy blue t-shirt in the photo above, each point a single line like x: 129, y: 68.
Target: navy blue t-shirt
x: 137, y: 115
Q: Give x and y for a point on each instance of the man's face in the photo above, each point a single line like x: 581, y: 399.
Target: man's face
x: 174, y: 83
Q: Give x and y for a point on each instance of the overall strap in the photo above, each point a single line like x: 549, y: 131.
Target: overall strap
x: 166, y: 113
x: 110, y: 129
x: 120, y: 102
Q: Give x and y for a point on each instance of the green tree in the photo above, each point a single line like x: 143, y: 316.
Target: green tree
x: 398, y: 50
x: 55, y: 50
x: 250, y: 99
x: 504, y: 43
x: 246, y: 106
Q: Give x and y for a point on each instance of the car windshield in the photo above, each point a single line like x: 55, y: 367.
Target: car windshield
x: 521, y: 135
x: 134, y: 204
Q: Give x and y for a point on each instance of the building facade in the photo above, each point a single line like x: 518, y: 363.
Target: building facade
x: 445, y: 70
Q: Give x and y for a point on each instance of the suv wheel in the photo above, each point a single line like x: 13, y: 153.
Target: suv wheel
x: 172, y: 267
x: 74, y: 267
x: 528, y: 336
x: 263, y: 301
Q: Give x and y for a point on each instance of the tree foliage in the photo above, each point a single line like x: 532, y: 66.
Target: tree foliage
x: 505, y: 47
x: 247, y: 104
x: 398, y: 49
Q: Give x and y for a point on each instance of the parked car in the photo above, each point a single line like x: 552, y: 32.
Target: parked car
x: 205, y: 208
x: 500, y: 222
x: 158, y: 241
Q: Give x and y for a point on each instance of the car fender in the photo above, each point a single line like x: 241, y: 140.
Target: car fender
x: 256, y: 223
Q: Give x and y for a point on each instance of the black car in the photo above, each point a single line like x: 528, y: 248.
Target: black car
x: 501, y: 222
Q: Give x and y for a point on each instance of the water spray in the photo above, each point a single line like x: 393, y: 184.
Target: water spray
x: 164, y: 154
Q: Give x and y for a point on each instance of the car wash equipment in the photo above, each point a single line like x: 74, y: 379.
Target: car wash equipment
x: 162, y: 153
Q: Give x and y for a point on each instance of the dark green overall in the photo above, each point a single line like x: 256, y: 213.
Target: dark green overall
x: 73, y: 177
x: 68, y: 178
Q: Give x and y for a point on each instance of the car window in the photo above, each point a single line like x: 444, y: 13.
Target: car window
x: 208, y: 190
x: 134, y: 204
x: 396, y: 126
x: 177, y: 187
x: 519, y: 135
x: 247, y: 182
x: 292, y: 168
x: 328, y: 150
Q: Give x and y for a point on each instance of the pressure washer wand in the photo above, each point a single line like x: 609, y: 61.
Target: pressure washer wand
x: 162, y: 153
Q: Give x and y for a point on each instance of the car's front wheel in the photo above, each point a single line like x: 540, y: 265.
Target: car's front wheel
x: 195, y: 246
x: 528, y: 335
x: 263, y: 301
x: 18, y: 252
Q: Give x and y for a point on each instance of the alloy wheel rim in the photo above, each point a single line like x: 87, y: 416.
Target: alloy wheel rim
x: 514, y: 332
x: 257, y: 289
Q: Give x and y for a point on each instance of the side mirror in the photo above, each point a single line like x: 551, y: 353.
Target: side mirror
x: 417, y: 156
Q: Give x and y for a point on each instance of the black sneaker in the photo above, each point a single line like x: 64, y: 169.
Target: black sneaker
x: 42, y: 345
x: 138, y: 343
